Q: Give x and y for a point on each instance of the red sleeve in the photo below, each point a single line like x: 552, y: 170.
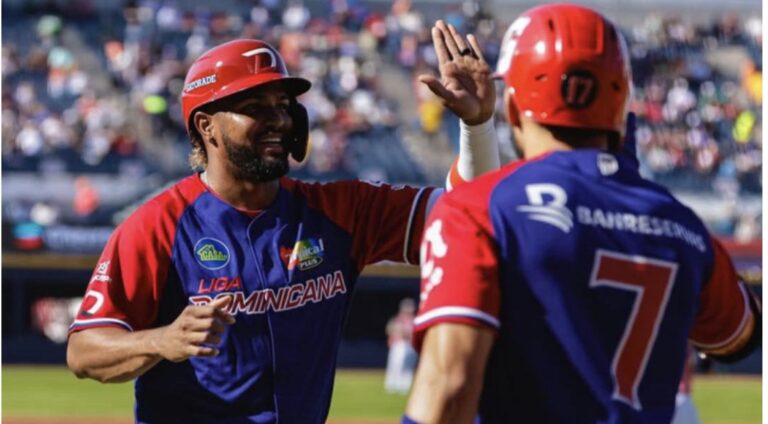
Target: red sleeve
x: 389, y: 222
x: 459, y: 255
x: 459, y: 268
x: 385, y: 221
x: 126, y: 285
x: 454, y: 178
x: 723, y: 306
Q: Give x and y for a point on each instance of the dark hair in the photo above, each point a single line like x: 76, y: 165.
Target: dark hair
x: 198, y: 157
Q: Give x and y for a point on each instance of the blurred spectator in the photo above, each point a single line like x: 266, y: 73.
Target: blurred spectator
x: 430, y: 110
x: 52, y: 316
x: 86, y: 199
x: 402, y: 358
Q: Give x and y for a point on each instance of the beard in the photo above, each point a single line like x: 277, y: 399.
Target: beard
x: 246, y: 163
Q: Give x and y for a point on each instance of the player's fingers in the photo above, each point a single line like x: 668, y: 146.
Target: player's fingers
x: 218, y: 309
x: 450, y: 44
x: 199, y: 311
x: 439, y: 43
x: 224, y: 316
x: 457, y: 38
x: 212, y: 339
x: 196, y: 337
x: 427, y: 78
x: 208, y: 324
x: 436, y: 87
x: 200, y: 324
x: 202, y: 351
x: 476, y: 47
x: 222, y: 302
x: 217, y: 327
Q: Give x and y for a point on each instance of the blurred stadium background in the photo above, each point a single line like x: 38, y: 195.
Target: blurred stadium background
x: 91, y: 128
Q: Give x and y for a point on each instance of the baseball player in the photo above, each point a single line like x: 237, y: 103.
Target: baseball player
x: 564, y: 288
x: 402, y: 358
x: 225, y: 296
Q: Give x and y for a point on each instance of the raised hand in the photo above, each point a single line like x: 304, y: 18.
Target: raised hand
x: 195, y: 331
x: 465, y: 85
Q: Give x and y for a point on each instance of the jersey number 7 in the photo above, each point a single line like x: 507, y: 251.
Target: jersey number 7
x: 651, y: 280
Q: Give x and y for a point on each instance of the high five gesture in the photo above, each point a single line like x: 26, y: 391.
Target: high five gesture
x: 465, y: 85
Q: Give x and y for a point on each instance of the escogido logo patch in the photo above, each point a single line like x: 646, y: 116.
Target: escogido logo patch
x: 211, y: 253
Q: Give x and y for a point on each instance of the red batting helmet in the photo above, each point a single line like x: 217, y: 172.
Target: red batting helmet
x: 566, y: 65
x: 237, y: 66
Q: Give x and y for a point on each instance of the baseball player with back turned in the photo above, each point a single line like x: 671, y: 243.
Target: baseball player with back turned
x: 564, y: 288
x: 225, y: 296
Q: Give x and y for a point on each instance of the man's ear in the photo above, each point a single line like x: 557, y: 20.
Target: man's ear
x: 203, y: 122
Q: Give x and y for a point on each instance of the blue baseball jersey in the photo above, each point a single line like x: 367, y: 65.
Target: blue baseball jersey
x: 290, y: 270
x: 594, y: 280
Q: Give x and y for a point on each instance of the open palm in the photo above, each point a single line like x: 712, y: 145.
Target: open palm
x: 465, y: 85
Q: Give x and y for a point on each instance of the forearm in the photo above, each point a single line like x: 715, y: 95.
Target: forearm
x: 449, y: 380
x: 438, y: 397
x: 112, y: 355
x: 478, y: 153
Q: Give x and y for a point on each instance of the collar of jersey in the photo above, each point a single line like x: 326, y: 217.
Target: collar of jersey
x: 251, y: 213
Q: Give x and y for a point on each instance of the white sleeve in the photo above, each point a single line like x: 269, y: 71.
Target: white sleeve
x: 478, y: 152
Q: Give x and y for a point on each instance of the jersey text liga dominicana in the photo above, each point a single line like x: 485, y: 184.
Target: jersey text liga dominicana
x: 290, y: 270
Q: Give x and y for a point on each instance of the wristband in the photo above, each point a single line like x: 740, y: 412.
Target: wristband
x: 478, y: 153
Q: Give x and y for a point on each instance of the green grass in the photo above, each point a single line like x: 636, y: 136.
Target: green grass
x: 359, y: 394
x: 725, y: 400
x: 55, y: 392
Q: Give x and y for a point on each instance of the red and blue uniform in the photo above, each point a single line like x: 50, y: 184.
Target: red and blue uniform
x: 290, y: 269
x: 593, y: 278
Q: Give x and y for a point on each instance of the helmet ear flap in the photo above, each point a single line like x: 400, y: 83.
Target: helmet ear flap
x: 513, y: 114
x: 298, y: 147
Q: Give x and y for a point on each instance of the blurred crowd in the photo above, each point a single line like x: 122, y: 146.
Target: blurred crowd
x: 699, y: 95
x: 91, y: 90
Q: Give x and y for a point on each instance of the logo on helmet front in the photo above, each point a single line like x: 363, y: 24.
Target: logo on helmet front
x: 200, y: 82
x: 260, y: 50
x: 509, y: 43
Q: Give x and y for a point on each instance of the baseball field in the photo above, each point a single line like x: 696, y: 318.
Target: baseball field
x: 37, y: 395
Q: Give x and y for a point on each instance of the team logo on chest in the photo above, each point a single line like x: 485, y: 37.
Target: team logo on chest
x: 547, y: 204
x: 306, y: 254
x: 211, y: 253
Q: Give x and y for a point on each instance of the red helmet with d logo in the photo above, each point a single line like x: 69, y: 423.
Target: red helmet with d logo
x: 237, y: 66
x: 566, y: 65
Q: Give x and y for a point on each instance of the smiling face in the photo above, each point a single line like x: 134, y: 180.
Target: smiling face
x: 251, y: 133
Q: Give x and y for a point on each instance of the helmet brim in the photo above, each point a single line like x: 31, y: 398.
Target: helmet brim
x: 295, y: 86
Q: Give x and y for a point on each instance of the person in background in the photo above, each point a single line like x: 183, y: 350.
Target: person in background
x: 401, y: 361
